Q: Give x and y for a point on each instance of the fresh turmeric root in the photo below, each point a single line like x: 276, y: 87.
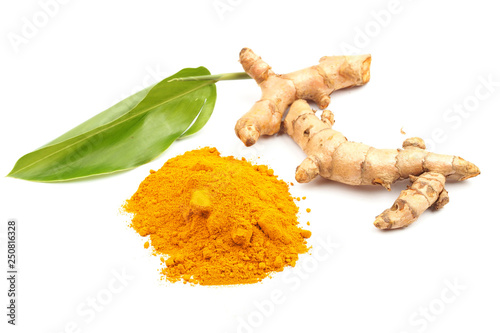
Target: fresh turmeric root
x: 315, y: 83
x: 333, y: 157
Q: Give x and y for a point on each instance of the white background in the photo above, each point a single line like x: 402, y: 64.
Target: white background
x: 428, y: 56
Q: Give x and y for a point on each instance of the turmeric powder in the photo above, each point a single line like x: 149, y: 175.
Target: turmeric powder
x: 217, y: 220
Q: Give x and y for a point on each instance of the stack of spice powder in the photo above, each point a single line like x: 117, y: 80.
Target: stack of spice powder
x: 217, y: 220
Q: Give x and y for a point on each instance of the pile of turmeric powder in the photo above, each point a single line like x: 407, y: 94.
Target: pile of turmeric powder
x: 217, y: 220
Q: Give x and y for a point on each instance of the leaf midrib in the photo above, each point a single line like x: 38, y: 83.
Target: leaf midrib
x: 111, y: 126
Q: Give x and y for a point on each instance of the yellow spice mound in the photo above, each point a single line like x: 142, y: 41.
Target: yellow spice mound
x: 217, y: 220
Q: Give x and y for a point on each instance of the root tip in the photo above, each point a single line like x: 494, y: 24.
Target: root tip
x: 244, y: 50
x: 366, y: 69
x: 381, y: 224
x: 323, y: 102
x: 248, y: 135
x: 465, y: 169
x: 307, y: 170
x: 301, y: 176
x: 473, y: 171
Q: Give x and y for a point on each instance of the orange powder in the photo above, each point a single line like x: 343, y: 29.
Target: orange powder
x: 217, y: 220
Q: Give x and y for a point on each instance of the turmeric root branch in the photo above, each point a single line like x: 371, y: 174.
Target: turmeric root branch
x: 427, y: 190
x: 315, y: 83
x: 332, y: 156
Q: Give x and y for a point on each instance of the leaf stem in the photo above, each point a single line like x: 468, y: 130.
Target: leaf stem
x: 216, y: 77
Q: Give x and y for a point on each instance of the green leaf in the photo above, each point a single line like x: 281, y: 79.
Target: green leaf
x: 129, y: 134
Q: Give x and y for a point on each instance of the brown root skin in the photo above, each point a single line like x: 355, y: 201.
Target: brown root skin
x: 332, y: 156
x: 315, y: 83
x: 427, y: 190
